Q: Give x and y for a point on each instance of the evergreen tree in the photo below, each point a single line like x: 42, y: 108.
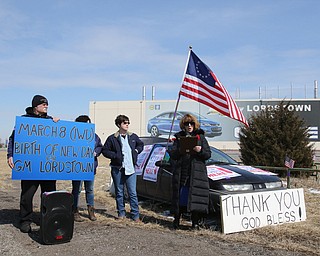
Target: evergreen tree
x: 273, y: 134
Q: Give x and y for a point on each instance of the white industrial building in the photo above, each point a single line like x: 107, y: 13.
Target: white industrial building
x: 103, y: 114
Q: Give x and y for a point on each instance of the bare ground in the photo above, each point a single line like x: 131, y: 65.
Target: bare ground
x: 153, y: 236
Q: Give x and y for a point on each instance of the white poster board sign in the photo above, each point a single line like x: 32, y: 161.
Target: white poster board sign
x: 142, y: 158
x: 242, y: 212
x: 254, y: 170
x: 151, y: 170
x: 219, y: 173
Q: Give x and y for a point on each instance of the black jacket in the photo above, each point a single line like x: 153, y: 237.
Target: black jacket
x: 112, y: 148
x: 29, y: 113
x: 191, y: 170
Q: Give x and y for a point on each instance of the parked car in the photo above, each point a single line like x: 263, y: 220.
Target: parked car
x: 147, y: 140
x: 161, y: 124
x: 241, y: 179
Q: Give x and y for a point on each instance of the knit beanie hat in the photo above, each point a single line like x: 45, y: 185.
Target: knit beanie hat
x: 38, y: 100
x: 83, y: 119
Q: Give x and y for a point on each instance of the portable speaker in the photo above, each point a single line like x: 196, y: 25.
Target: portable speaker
x: 56, y: 223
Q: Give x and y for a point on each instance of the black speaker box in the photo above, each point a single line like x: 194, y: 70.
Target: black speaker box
x: 56, y: 222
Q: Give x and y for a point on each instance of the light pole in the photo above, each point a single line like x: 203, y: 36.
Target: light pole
x: 94, y: 112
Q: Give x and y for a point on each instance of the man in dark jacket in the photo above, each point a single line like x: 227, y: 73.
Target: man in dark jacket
x: 122, y: 148
x: 190, y: 185
x: 38, y: 109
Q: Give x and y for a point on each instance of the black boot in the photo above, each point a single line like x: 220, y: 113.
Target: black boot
x: 25, y: 227
x: 176, y: 221
x: 195, y: 226
x: 195, y: 218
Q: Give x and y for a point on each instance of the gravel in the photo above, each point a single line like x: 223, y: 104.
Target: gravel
x: 107, y: 236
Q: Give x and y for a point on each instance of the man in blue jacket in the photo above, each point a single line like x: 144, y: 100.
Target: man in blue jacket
x: 122, y: 148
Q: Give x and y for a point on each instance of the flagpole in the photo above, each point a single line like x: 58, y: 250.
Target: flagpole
x: 178, y: 100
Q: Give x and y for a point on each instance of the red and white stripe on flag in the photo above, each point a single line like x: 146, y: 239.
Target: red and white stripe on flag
x: 289, y: 162
x: 215, y: 95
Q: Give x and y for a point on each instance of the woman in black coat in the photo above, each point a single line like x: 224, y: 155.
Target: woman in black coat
x: 190, y: 183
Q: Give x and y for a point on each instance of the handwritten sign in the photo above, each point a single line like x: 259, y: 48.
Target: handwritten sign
x: 254, y: 170
x: 151, y: 170
x: 219, y: 173
x: 45, y: 150
x: 142, y: 158
x: 241, y: 212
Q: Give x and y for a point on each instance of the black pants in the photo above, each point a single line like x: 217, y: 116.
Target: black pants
x: 28, y: 189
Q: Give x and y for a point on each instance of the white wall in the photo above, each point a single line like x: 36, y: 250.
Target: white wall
x: 103, y: 114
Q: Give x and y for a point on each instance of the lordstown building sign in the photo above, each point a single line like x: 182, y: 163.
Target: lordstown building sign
x: 145, y: 114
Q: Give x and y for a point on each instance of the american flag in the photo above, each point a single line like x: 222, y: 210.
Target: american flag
x: 288, y: 162
x: 201, y: 84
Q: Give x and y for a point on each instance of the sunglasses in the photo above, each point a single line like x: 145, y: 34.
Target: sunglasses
x: 188, y: 123
x: 126, y: 122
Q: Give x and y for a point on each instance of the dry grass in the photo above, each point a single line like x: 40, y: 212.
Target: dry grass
x: 303, y: 237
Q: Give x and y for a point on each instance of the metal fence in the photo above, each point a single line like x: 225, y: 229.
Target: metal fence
x: 314, y: 171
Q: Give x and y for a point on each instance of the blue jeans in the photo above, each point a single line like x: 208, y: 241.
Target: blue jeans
x: 76, y: 190
x: 119, y: 180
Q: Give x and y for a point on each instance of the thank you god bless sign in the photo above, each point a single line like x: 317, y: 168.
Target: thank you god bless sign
x: 48, y: 150
x: 246, y: 211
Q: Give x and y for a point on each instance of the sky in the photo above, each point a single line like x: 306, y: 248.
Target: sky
x: 77, y: 51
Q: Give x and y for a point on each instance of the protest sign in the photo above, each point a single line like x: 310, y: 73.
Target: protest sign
x: 218, y: 173
x: 151, y: 170
x: 246, y: 211
x: 254, y: 170
x: 142, y: 158
x: 48, y: 150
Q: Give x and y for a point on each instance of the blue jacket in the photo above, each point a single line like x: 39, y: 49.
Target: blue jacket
x: 112, y: 148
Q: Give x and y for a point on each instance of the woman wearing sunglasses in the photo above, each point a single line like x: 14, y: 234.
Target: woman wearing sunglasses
x: 190, y: 183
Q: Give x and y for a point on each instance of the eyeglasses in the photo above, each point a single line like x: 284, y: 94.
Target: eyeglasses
x: 188, y: 123
x: 126, y: 122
